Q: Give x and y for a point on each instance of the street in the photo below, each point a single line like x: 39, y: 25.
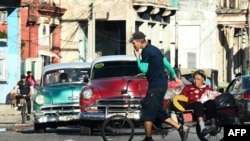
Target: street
x: 72, y: 134
x: 11, y: 129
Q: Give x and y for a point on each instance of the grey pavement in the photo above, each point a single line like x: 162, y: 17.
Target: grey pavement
x: 10, y: 119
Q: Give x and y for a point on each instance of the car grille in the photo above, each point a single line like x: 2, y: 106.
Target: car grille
x: 61, y: 109
x: 119, y: 105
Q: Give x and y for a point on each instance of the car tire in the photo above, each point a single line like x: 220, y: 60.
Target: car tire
x: 38, y: 128
x: 86, y: 129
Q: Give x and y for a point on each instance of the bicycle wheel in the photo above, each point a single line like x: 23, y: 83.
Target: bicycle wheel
x: 23, y: 112
x: 117, y: 128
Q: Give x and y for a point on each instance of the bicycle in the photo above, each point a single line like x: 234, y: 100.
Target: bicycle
x: 121, y: 126
x: 23, y: 105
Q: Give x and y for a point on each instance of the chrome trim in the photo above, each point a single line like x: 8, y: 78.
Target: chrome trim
x: 105, y: 108
x: 55, y: 118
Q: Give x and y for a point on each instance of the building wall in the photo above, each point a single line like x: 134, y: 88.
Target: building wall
x: 13, y: 55
x: 196, y: 31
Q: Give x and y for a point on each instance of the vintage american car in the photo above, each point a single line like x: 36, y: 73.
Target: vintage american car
x: 113, y: 79
x: 239, y: 88
x: 56, y: 102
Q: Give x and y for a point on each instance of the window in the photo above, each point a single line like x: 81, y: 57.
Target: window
x: 3, y: 16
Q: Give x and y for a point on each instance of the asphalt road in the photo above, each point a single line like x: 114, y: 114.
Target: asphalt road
x: 11, y: 129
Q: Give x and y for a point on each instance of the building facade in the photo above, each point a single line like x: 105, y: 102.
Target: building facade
x: 191, y: 34
x: 95, y: 28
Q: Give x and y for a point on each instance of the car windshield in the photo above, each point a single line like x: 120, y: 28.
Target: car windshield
x: 67, y: 75
x: 115, y: 69
x: 246, y: 83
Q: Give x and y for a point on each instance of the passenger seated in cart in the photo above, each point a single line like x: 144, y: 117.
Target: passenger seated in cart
x: 197, y: 100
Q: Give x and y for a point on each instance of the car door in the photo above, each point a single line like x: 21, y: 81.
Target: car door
x: 235, y: 88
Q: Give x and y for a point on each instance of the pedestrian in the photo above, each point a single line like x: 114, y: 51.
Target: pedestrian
x: 31, y: 78
x: 24, y: 87
x: 194, y: 92
x: 152, y: 62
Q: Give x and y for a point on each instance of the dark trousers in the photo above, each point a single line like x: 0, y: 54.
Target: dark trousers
x: 208, y: 108
x: 28, y: 105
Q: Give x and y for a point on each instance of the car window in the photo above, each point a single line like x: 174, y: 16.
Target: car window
x: 70, y: 75
x: 115, y: 69
x: 236, y: 85
x: 246, y: 83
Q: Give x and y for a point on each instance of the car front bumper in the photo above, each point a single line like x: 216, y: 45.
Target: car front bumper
x: 55, y: 118
x: 102, y: 116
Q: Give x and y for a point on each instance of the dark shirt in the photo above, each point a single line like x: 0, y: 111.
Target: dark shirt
x: 156, y: 74
x: 24, y: 87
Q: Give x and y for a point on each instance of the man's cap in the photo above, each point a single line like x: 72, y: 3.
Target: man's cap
x: 137, y: 36
x: 23, y: 76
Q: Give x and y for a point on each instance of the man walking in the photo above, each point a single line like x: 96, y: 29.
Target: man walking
x: 152, y: 63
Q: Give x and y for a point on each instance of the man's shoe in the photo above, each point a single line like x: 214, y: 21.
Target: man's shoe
x: 214, y: 131
x: 183, y: 132
x: 206, y: 131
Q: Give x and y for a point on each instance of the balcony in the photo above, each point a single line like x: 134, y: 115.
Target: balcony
x: 231, y: 6
x: 51, y: 10
x: 172, y: 4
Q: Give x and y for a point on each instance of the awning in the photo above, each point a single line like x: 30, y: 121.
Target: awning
x: 47, y: 53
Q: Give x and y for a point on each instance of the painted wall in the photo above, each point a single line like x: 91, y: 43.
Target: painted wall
x: 13, y: 55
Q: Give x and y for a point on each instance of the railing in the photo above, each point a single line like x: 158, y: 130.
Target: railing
x: 232, y: 4
x: 169, y: 3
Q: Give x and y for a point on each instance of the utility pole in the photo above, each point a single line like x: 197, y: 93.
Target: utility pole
x: 91, y: 32
x: 176, y: 41
x: 248, y: 43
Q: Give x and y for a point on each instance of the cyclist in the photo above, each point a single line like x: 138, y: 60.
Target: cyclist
x: 24, y: 88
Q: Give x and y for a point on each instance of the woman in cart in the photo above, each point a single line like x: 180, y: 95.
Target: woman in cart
x: 195, y: 93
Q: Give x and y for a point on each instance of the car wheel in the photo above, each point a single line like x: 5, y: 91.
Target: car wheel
x: 85, y: 130
x: 38, y: 128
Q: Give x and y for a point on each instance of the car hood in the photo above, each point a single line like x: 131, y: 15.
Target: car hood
x: 64, y: 93
x: 117, y: 86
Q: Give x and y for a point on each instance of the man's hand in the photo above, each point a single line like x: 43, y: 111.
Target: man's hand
x: 178, y: 80
x: 137, y: 53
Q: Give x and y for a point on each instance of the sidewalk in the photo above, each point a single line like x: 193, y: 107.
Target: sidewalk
x: 9, y: 115
x: 11, y: 118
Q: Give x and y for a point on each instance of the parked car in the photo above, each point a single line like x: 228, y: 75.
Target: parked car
x: 111, y: 79
x: 239, y: 87
x: 56, y: 102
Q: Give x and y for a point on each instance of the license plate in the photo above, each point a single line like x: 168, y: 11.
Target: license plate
x: 67, y: 118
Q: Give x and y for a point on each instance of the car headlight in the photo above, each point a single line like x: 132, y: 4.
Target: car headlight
x: 87, y: 94
x: 39, y: 99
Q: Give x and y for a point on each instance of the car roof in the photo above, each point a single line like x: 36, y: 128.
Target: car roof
x: 114, y: 58
x: 67, y: 65
x: 243, y: 76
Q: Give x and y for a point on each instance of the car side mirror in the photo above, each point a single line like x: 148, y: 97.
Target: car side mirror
x: 38, y: 87
x: 86, y: 79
